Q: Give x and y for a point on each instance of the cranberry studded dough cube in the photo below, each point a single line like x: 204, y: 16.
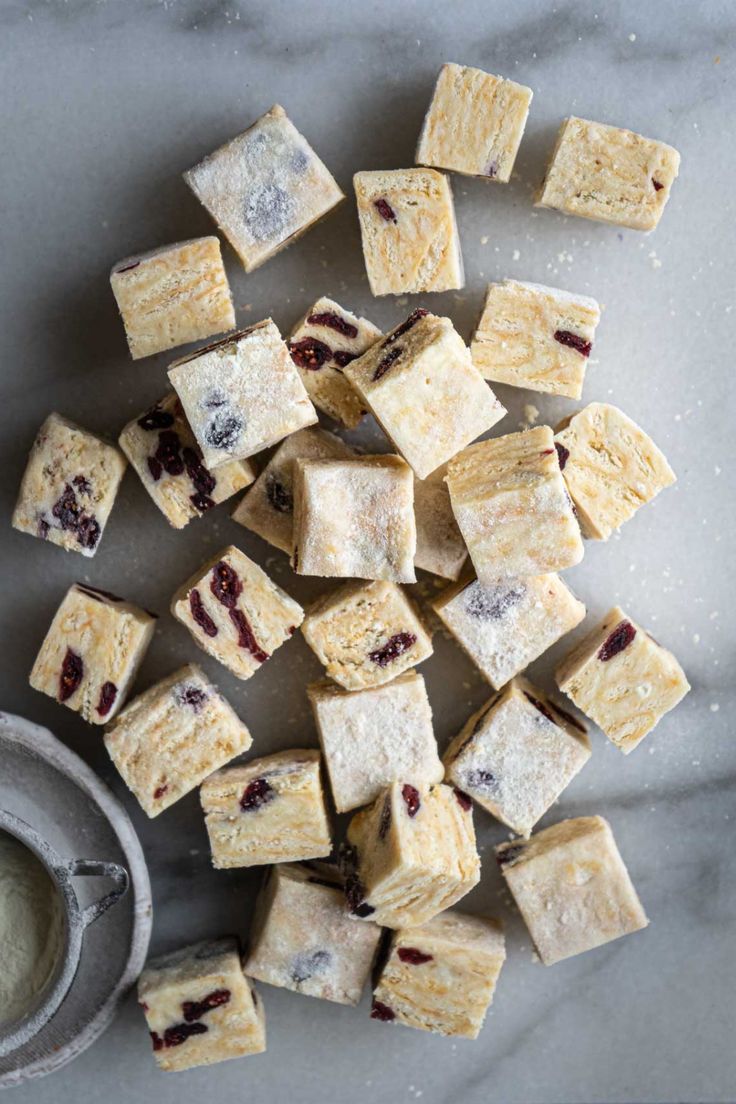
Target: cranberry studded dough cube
x: 517, y: 754
x: 162, y: 449
x: 609, y: 174
x: 170, y: 738
x: 440, y: 547
x: 411, y: 855
x: 269, y: 810
x: 355, y: 519
x: 268, y: 507
x: 366, y: 634
x: 572, y: 888
x: 326, y: 340
x: 512, y: 507
x: 264, y: 188
x: 441, y: 976
x: 173, y: 295
x: 506, y: 625
x: 69, y: 486
x: 611, y: 467
x: 200, y: 1007
x: 622, y: 679
x: 242, y: 394
x: 92, y: 652
x: 535, y: 337
x: 371, y: 737
x: 408, y: 230
x: 474, y: 124
x: 303, y: 939
x: 235, y: 612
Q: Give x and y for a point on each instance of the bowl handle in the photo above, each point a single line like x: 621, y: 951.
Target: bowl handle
x: 118, y: 874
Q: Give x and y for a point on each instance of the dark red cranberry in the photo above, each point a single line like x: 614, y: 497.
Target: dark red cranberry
x: 414, y: 956
x: 156, y: 1040
x: 88, y: 531
x: 160, y: 791
x: 256, y: 794
x: 420, y: 312
x: 144, y: 1005
x: 480, y: 779
x: 156, y: 418
x: 569, y: 718
x: 390, y: 358
x: 342, y: 357
x: 354, y: 888
x: 492, y: 603
x: 310, y: 353
x: 563, y: 454
x: 108, y: 694
x: 73, y: 519
x: 179, y: 1033
x: 385, y: 822
x: 200, y: 614
x: 246, y: 636
x: 306, y: 966
x: 201, y: 502
x: 363, y: 910
x: 155, y: 468
x: 98, y: 594
x: 574, y: 341
x: 194, y: 1010
x: 224, y: 430
x: 200, y: 476
x: 333, y: 322
x: 619, y: 639
x: 168, y: 452
x: 72, y: 671
x: 82, y: 484
x: 657, y: 185
x: 411, y: 798
x: 491, y: 169
x: 280, y: 499
x: 463, y: 801
x: 193, y: 696
x: 380, y: 1011
x: 128, y: 268
x: 543, y: 709
x: 393, y: 648
x: 225, y: 584
x: 509, y: 854
x: 385, y: 209
x: 43, y: 528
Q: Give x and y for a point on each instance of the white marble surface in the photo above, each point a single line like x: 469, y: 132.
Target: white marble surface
x: 104, y: 105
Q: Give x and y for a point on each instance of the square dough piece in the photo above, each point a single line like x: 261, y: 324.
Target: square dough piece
x: 517, y: 754
x: 162, y: 449
x: 264, y: 188
x: 355, y: 519
x: 441, y: 976
x: 411, y: 855
x: 372, y: 737
x: 408, y: 230
x: 506, y: 625
x: 572, y: 888
x: 303, y: 939
x: 612, y: 175
x: 424, y: 391
x: 474, y: 124
x: 622, y: 679
x: 69, y: 486
x: 535, y: 337
x: 268, y: 507
x: 611, y: 467
x: 512, y: 506
x: 269, y: 810
x: 242, y: 394
x: 92, y: 652
x: 326, y: 339
x: 168, y: 739
x: 440, y: 546
x: 199, y: 1006
x: 235, y: 612
x: 173, y: 295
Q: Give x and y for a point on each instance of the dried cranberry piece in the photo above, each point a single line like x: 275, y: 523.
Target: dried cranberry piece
x: 390, y: 358
x: 410, y: 795
x: 463, y: 800
x: 574, y: 341
x: 420, y: 312
x: 97, y: 593
x: 385, y: 822
x: 193, y: 696
x: 306, y: 966
x: 194, y: 1010
x: 168, y: 452
x: 491, y: 169
x: 108, y: 694
x: 201, y: 502
x: 156, y: 1040
x: 342, y: 357
x: 333, y: 322
x: 569, y: 718
x: 156, y: 418
x: 310, y: 353
x: 413, y: 956
x: 509, y: 854
x: 202, y: 479
x: 200, y: 614
x: 88, y: 531
x: 563, y: 454
x: 278, y: 496
x: 160, y: 791
x: 540, y: 706
x: 492, y: 603
x: 380, y: 1011
x: 179, y: 1033
x: 127, y: 268
x: 393, y: 648
x: 657, y: 185
x: 256, y: 794
x: 480, y: 779
x: 354, y: 888
x: 224, y: 430
x: 225, y: 584
x: 67, y: 510
x: 155, y: 468
x: 363, y: 910
x: 246, y: 636
x: 385, y: 209
x: 43, y: 528
x: 619, y: 639
x: 72, y: 671
x: 82, y: 484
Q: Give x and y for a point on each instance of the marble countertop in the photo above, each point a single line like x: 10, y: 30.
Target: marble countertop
x: 104, y: 106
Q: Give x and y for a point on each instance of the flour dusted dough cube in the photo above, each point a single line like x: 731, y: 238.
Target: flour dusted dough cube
x: 474, y: 124
x: 235, y: 612
x: 611, y: 467
x: 411, y: 855
x: 408, y: 230
x: 241, y: 394
x: 612, y: 175
x: 622, y: 679
x: 441, y: 976
x: 572, y: 888
x: 200, y: 1007
x: 264, y: 188
x: 69, y: 486
x: 162, y: 449
x: 440, y: 547
x: 268, y: 507
x: 506, y: 625
x: 168, y: 739
x: 372, y: 737
x: 173, y: 295
x: 421, y: 385
x: 268, y: 810
x: 321, y: 345
x: 535, y: 337
x: 517, y: 754
x: 512, y: 507
x: 355, y: 519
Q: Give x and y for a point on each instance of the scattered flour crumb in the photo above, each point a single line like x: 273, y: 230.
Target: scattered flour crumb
x: 714, y: 707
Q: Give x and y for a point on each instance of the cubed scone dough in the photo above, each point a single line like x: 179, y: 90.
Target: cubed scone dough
x: 69, y: 486
x: 440, y: 546
x: 609, y: 174
x: 264, y: 188
x: 622, y: 679
x: 173, y: 295
x: 442, y: 975
x: 303, y: 939
x: 572, y: 887
x: 611, y: 467
x: 168, y: 739
x: 372, y: 737
x: 268, y: 810
x: 200, y: 1007
x: 535, y: 337
x: 408, y: 230
x: 474, y: 124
